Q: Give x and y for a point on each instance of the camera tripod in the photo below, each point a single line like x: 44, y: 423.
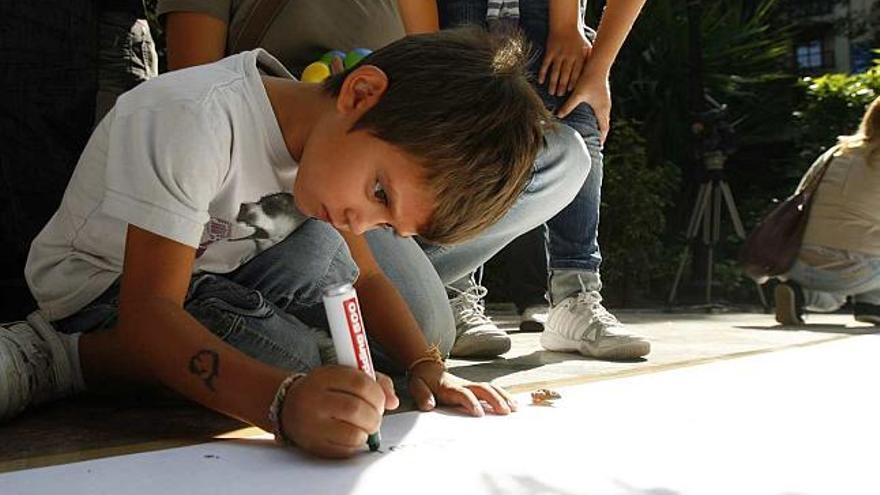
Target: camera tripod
x: 706, y: 218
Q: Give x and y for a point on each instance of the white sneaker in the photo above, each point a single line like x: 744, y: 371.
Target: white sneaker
x: 581, y: 324
x: 534, y: 318
x: 34, y: 367
x: 476, y: 335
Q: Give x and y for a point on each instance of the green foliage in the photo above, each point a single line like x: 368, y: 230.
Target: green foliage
x: 635, y: 198
x: 833, y: 106
x: 744, y: 55
x: 742, y: 58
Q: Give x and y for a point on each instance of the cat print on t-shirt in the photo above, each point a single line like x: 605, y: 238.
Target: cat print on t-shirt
x: 270, y: 219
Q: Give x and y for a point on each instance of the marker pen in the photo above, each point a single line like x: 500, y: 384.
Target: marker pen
x: 349, y: 337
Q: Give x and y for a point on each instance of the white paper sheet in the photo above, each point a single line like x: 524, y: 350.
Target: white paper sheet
x: 802, y: 421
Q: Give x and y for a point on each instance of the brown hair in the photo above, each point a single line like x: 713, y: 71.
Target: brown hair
x: 867, y: 135
x: 460, y: 102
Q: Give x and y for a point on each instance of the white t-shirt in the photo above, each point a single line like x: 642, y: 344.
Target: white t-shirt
x: 195, y: 156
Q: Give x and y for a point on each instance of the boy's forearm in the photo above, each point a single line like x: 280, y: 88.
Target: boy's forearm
x: 389, y: 320
x: 163, y: 342
x: 617, y: 20
x: 419, y: 16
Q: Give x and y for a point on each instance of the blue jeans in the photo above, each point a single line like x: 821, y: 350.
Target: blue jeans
x: 266, y: 308
x: 829, y: 275
x: 571, y: 236
x: 269, y: 307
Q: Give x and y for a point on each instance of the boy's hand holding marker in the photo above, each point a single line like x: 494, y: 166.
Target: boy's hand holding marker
x: 335, y: 410
x: 331, y: 411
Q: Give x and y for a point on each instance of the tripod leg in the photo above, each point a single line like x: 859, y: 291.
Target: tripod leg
x: 697, y: 212
x: 707, y: 214
x: 731, y: 209
x: 678, y: 273
x: 762, y: 298
x: 693, y: 226
x: 713, y: 240
x: 741, y: 232
x: 716, y: 213
x: 710, y: 263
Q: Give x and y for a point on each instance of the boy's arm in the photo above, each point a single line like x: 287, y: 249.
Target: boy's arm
x: 389, y: 320
x: 194, y: 38
x: 156, y: 340
x: 419, y: 16
x: 592, y: 85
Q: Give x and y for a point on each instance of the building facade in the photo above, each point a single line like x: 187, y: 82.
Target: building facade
x: 834, y: 35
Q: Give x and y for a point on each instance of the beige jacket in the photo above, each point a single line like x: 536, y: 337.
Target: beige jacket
x: 846, y: 208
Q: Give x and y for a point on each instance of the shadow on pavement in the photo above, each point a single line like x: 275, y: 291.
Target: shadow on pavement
x: 489, y: 370
x: 823, y: 328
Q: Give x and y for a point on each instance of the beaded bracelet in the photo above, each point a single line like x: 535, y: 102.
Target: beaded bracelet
x: 432, y: 355
x: 275, y: 409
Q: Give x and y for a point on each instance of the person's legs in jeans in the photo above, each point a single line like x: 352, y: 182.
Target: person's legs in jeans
x: 574, y: 255
x: 476, y: 335
x: 404, y: 263
x: 821, y: 280
x: 577, y: 321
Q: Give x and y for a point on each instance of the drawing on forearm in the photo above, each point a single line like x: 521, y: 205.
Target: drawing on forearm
x: 206, y: 365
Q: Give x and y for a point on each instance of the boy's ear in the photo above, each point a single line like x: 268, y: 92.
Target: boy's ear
x: 362, y: 89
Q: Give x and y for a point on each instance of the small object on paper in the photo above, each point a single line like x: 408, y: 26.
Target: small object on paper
x: 544, y: 397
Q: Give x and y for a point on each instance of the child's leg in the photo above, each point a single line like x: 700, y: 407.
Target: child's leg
x: 406, y: 265
x: 294, y: 273
x: 573, y: 247
x: 246, y: 308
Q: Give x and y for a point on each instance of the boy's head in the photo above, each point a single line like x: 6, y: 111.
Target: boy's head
x: 459, y: 106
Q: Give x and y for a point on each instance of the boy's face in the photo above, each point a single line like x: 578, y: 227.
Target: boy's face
x: 353, y: 179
